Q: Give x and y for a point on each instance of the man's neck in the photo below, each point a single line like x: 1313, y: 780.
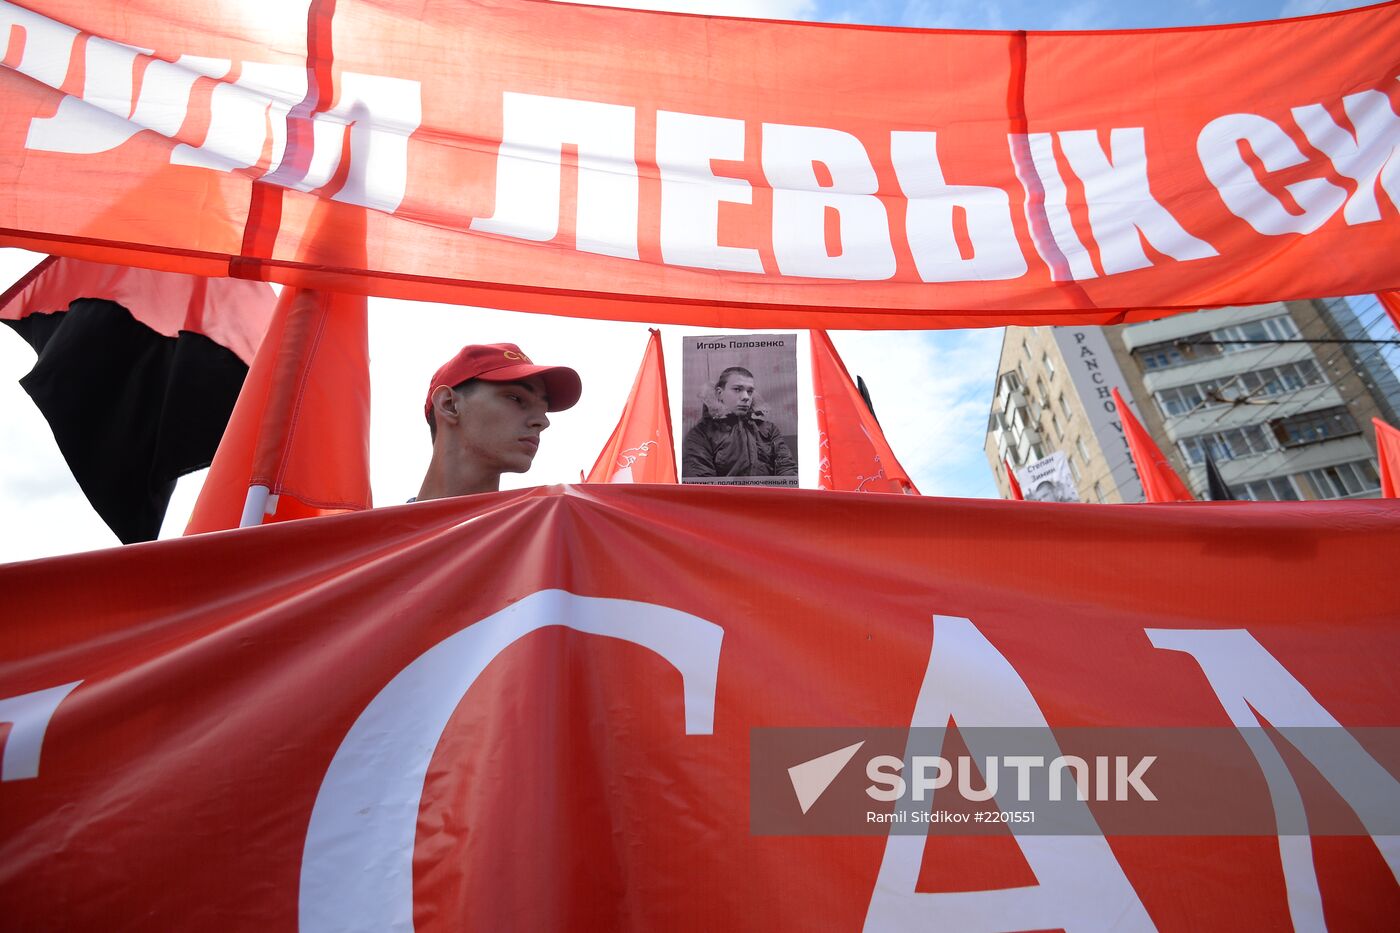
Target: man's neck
x: 449, y: 477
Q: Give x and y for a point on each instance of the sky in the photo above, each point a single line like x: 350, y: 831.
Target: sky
x: 932, y: 390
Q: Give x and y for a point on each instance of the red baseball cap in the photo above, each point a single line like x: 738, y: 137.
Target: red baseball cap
x: 505, y: 362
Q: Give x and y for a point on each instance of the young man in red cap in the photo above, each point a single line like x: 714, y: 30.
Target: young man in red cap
x: 486, y: 409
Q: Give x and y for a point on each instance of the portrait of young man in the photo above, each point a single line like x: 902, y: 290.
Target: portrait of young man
x: 734, y: 435
x: 486, y: 409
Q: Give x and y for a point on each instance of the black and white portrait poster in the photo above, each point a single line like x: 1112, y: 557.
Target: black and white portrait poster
x: 740, y: 410
x: 1048, y: 480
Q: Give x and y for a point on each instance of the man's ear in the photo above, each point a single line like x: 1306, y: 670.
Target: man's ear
x: 445, y: 405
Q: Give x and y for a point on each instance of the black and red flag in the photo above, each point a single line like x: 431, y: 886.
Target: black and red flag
x: 137, y: 372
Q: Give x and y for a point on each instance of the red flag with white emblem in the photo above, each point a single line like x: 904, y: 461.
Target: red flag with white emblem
x: 641, y: 448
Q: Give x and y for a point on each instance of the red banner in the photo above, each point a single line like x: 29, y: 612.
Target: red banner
x: 538, y: 709
x: 636, y: 165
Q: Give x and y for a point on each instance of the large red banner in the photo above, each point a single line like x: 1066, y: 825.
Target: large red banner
x: 542, y: 709
x: 648, y: 166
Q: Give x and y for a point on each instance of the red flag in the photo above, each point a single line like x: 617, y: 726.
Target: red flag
x: 1011, y: 479
x: 1159, y: 481
x: 297, y: 444
x: 1391, y: 302
x: 855, y: 456
x: 1388, y: 456
x: 641, y: 449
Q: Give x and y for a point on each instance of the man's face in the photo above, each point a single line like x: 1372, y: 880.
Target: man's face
x: 736, y: 395
x: 501, y: 422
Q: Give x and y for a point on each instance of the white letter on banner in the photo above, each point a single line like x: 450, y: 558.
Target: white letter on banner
x: 1365, y: 157
x: 928, y: 223
x: 1121, y: 203
x: 97, y: 121
x: 534, y: 131
x: 800, y: 203
x: 48, y: 44
x: 1245, y: 677
x: 691, y: 192
x: 1080, y: 886
x: 357, y: 865
x: 28, y: 716
x: 240, y: 113
x: 1076, y: 263
x: 1218, y: 148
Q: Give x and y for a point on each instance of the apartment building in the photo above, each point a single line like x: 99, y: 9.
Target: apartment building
x: 1275, y: 393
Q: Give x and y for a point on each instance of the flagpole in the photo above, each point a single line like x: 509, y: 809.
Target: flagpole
x: 254, y: 506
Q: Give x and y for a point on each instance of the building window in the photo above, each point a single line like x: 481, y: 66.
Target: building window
x: 1025, y: 348
x: 1181, y: 400
x: 1273, y: 489
x: 1048, y: 364
x: 1041, y: 393
x: 1275, y: 380
x: 1098, y: 492
x: 1064, y: 407
x: 1037, y: 452
x: 1073, y: 470
x: 1271, y: 328
x: 1083, y: 451
x: 1055, y: 423
x: 1344, y: 479
x: 1243, y: 441
x: 1313, y: 426
x: 1156, y: 356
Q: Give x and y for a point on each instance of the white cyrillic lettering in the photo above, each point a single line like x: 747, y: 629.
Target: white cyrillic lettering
x: 240, y: 115
x: 28, y: 716
x: 1245, y: 678
x: 691, y: 192
x: 1120, y: 202
x: 357, y: 863
x: 1080, y: 884
x: 1218, y: 149
x: 800, y: 203
x: 97, y: 121
x: 48, y: 44
x: 1073, y: 261
x: 1366, y: 157
x: 928, y: 223
x: 534, y: 131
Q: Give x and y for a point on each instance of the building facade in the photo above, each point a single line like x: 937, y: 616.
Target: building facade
x: 1271, y: 392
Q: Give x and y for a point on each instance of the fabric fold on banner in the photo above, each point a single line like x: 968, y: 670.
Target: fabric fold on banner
x: 617, y: 707
x: 641, y: 449
x: 1388, y: 458
x: 723, y: 172
x: 137, y: 373
x: 297, y: 444
x: 1012, y: 481
x: 853, y: 454
x: 1159, y: 481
